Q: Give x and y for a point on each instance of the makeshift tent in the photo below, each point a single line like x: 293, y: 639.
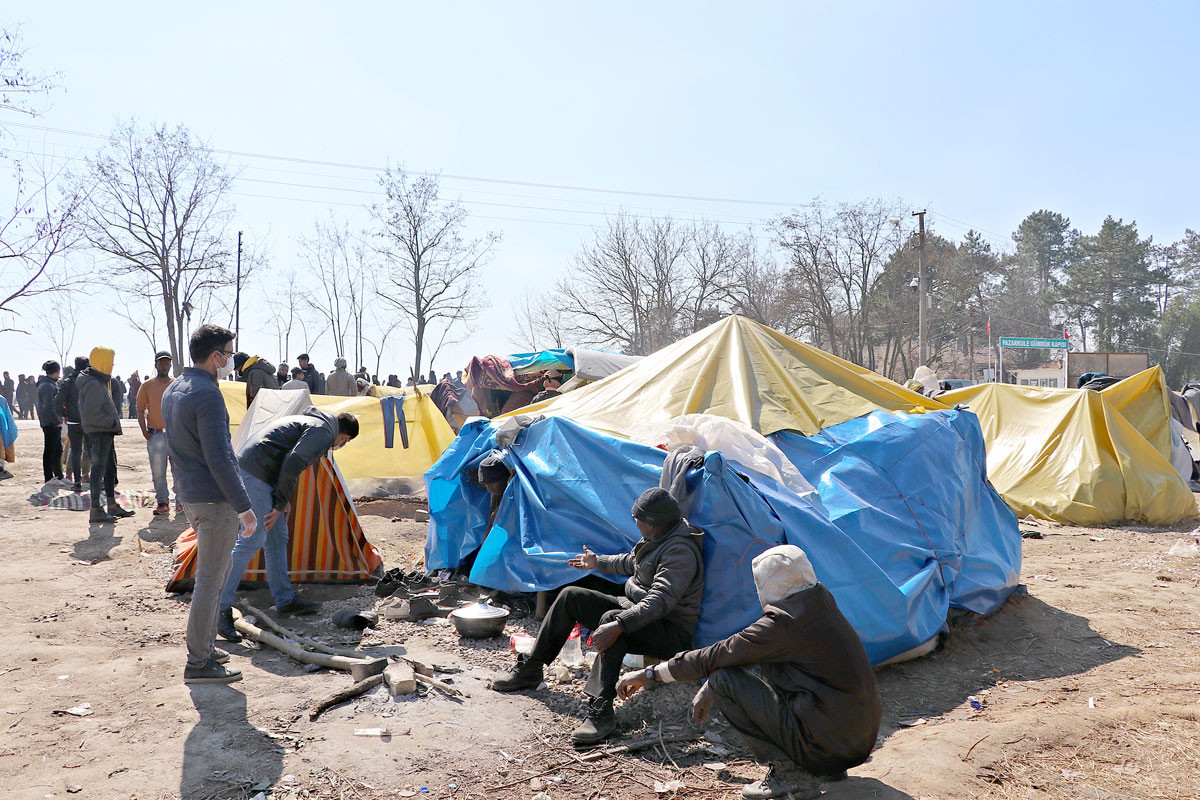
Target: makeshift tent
x: 1079, y: 456
x: 399, y: 437
x: 902, y: 526
x: 932, y: 535
x: 738, y: 369
x: 326, y: 541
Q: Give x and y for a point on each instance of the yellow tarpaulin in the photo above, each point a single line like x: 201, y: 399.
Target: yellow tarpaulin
x: 1082, y: 457
x: 738, y: 369
x: 368, y: 465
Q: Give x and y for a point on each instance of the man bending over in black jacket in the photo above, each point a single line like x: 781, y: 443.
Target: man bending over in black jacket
x: 271, y: 462
x: 657, y: 616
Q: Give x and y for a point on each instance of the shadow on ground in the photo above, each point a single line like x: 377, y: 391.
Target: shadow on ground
x: 224, y: 755
x: 1025, y: 640
x: 102, y: 539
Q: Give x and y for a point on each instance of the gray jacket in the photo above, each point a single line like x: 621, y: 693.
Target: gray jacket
x: 276, y: 454
x: 259, y: 375
x: 341, y: 383
x: 47, y: 392
x: 667, y: 578
x: 197, y: 427
x: 97, y: 412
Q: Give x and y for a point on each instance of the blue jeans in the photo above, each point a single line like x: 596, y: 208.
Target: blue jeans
x: 273, y: 543
x: 156, y: 446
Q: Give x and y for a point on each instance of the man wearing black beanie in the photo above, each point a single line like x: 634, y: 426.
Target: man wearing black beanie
x: 656, y: 617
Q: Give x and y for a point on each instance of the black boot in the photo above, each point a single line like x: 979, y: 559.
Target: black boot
x: 98, y: 514
x: 527, y: 674
x: 601, y: 723
x: 225, y: 626
x: 115, y: 510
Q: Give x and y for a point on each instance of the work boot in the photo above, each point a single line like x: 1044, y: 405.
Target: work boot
x: 527, y: 674
x: 219, y: 656
x: 298, y: 605
x: 98, y: 514
x: 225, y: 626
x: 162, y: 508
x: 783, y: 780
x: 114, y: 509
x: 601, y: 723
x: 211, y: 672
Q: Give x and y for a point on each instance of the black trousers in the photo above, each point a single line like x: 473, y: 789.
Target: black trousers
x: 104, y: 467
x: 75, y: 454
x: 52, y: 452
x: 759, y: 714
x: 591, y: 609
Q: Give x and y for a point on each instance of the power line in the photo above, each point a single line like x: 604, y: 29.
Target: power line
x: 504, y: 181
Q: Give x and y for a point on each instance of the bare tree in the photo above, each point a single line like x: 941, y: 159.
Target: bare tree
x: 57, y: 321
x: 142, y: 313
x: 158, y: 208
x: 336, y: 260
x: 34, y: 235
x: 642, y: 284
x: 539, y: 322
x: 40, y: 226
x: 22, y: 90
x: 431, y: 275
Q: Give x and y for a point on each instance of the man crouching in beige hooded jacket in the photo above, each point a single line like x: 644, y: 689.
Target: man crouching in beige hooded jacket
x: 812, y: 710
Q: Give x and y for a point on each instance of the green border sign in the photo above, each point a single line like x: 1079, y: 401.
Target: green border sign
x: 1030, y: 344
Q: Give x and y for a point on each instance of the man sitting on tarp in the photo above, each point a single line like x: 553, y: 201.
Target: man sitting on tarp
x: 271, y: 461
x: 656, y: 617
x: 812, y: 710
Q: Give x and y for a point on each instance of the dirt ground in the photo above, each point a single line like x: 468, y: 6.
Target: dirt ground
x: 1085, y: 684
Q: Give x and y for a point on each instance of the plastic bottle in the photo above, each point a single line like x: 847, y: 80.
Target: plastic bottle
x: 572, y: 652
x: 633, y: 661
x: 521, y: 643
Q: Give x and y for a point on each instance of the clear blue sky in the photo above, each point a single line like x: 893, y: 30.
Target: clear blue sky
x: 980, y: 112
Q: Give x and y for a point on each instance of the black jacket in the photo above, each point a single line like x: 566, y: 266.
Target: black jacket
x: 97, y: 411
x: 276, y: 454
x: 806, y: 649
x: 313, y: 379
x: 67, y: 401
x: 118, y: 391
x: 667, y: 578
x: 47, y: 391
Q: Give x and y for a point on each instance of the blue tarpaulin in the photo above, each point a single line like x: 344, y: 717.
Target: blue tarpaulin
x: 902, y: 527
x: 8, y: 427
x: 542, y: 360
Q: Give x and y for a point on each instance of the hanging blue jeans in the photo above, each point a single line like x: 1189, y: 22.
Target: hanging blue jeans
x: 393, y: 408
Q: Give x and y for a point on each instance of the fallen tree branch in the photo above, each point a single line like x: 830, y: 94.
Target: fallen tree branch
x: 342, y: 695
x: 303, y: 641
x: 293, y: 650
x: 435, y: 683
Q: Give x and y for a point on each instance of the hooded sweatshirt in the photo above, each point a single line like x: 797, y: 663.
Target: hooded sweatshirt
x: 259, y: 374
x: 276, y: 454
x: 97, y: 412
x: 341, y: 383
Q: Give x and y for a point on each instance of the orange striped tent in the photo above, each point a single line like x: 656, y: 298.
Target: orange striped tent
x: 326, y: 541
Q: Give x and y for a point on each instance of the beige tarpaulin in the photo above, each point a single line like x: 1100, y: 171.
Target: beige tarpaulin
x: 741, y: 370
x: 1079, y: 456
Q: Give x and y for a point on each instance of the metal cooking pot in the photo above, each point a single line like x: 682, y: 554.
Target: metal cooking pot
x: 479, y: 620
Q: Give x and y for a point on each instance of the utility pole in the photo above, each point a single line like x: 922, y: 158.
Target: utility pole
x: 237, y: 296
x: 921, y: 284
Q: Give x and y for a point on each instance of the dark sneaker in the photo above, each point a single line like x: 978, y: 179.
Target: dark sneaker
x: 527, y: 674
x: 98, y: 514
x: 299, y: 605
x: 77, y: 488
x: 212, y: 672
x: 783, y: 780
x: 834, y: 777
x: 601, y: 723
x: 225, y: 626
x: 219, y: 656
x: 115, y: 510
x: 162, y: 508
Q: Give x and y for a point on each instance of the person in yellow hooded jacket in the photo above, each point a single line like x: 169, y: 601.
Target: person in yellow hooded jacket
x: 101, y: 423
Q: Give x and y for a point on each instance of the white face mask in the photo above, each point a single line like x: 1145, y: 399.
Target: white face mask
x: 225, y: 371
